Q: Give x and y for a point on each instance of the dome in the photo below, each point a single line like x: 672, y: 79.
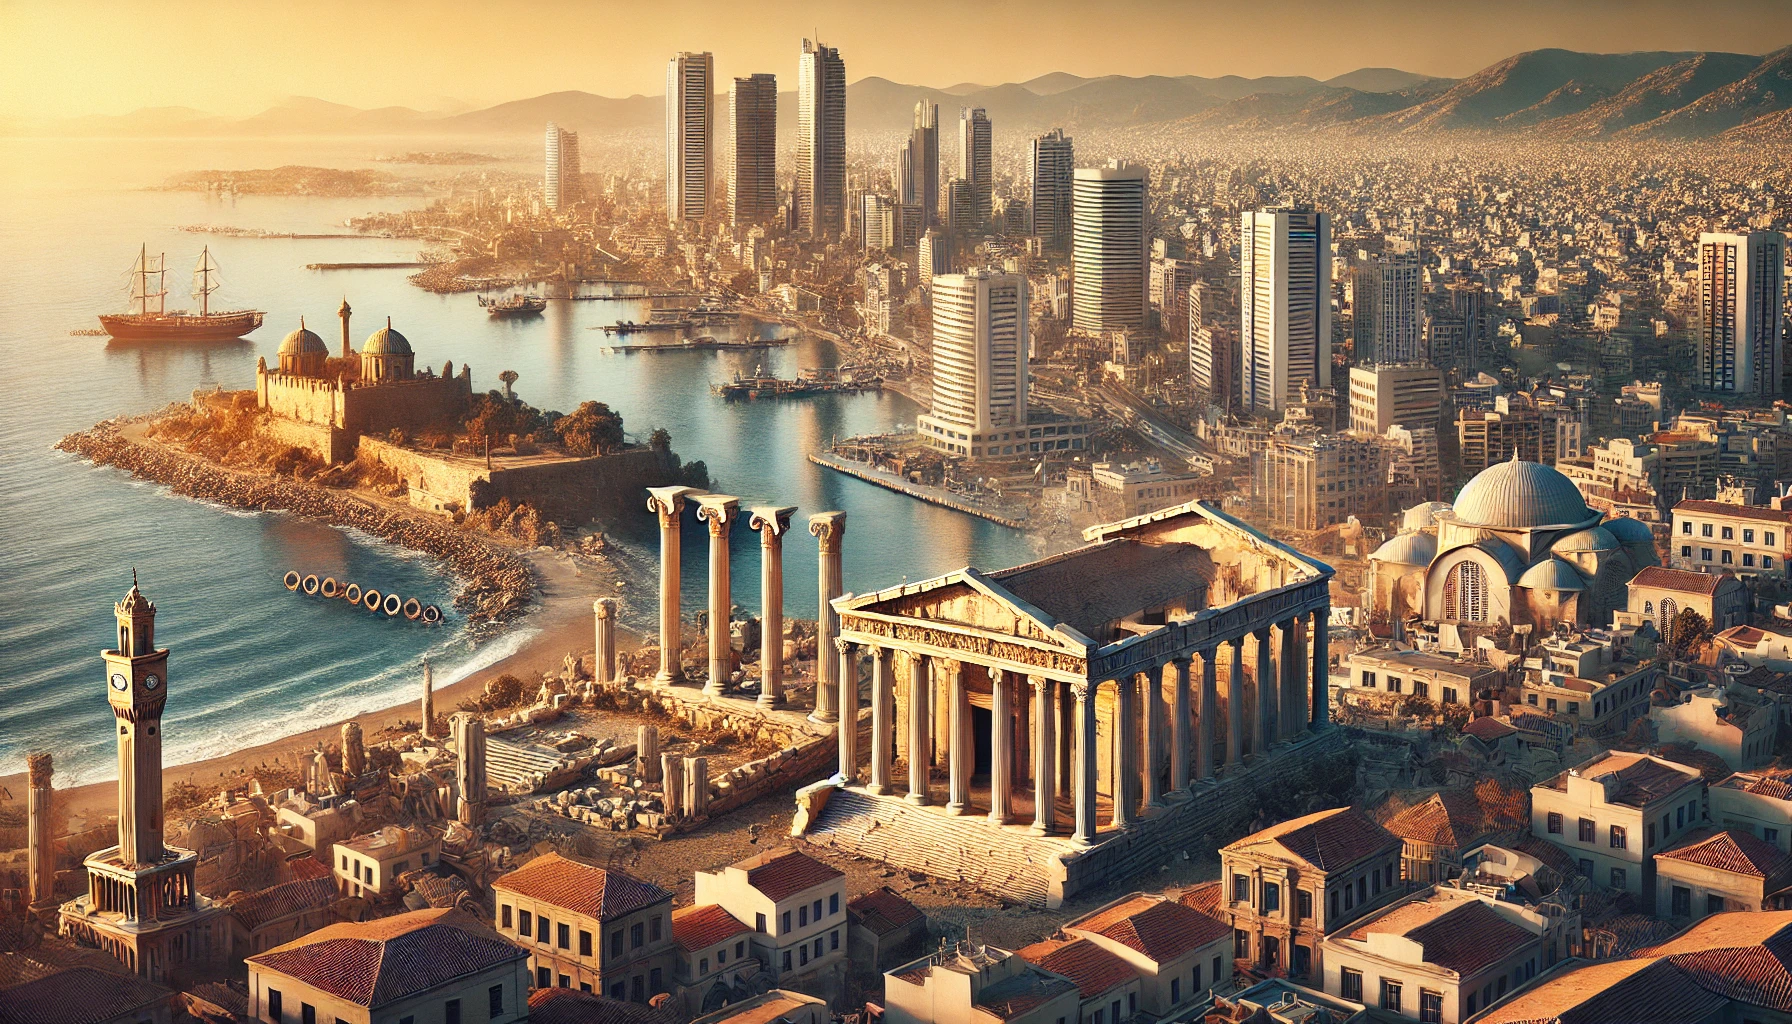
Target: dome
x: 1551, y: 574
x: 386, y: 342
x: 1594, y: 538
x: 1407, y: 549
x: 303, y: 342
x: 1519, y: 495
x: 1420, y: 517
x: 1626, y: 530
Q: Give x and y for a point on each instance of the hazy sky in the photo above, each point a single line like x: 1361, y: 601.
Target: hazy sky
x: 103, y: 56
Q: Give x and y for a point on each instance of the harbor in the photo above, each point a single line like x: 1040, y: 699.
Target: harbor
x: 836, y: 381
x: 1010, y: 514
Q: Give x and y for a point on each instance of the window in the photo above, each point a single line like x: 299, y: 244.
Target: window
x: 1332, y: 904
x: 1473, y: 1001
x: 1114, y: 1011
x: 1771, y: 835
x: 1531, y: 699
x: 1362, y: 890
x: 274, y: 1007
x: 1686, y: 551
x: 1704, y: 529
x: 1303, y: 905
x: 802, y: 916
x: 525, y: 925
x: 815, y: 911
x: 1272, y: 897
x: 1395, y: 683
x: 1679, y: 817
x: 759, y: 923
x: 504, y: 916
x: 1216, y: 973
x: 1728, y: 558
x: 1587, y: 828
x: 653, y: 981
x: 1390, y: 995
x: 833, y: 904
x: 1175, y: 991
x: 1767, y: 538
x: 619, y: 990
x: 544, y: 978
x: 1617, y: 878
x: 1729, y: 534
x: 1586, y: 867
x: 565, y: 982
x: 1241, y: 889
x: 584, y: 986
x: 494, y: 1000
x: 1686, y: 527
x: 1303, y: 959
x: 584, y: 942
x: 740, y: 949
x: 818, y: 947
x: 653, y: 929
x: 702, y: 966
x: 1369, y: 680
x: 1450, y: 695
x: 1620, y: 839
x: 307, y: 1014
x: 1748, y: 560
x: 1352, y: 984
x: 1714, y: 904
x: 834, y: 939
x: 1574, y: 707
x: 787, y: 959
x: 1766, y: 561
x: 565, y: 936
x: 637, y: 991
x: 616, y: 943
x: 784, y: 922
x: 1431, y: 1007
x: 1421, y: 689
x: 1241, y: 944
x: 1549, y: 704
x: 1465, y: 593
x: 1132, y: 1002
x: 637, y: 935
x: 1649, y: 836
x: 451, y: 1012
x: 1704, y: 554
x: 802, y: 953
x: 1100, y: 1015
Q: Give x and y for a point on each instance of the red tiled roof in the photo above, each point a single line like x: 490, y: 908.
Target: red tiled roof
x: 882, y: 910
x: 76, y: 995
x: 1461, y: 935
x: 1487, y: 729
x: 581, y: 888
x: 1205, y: 897
x: 1093, y: 969
x: 1159, y: 928
x: 570, y: 1006
x: 1326, y: 840
x: 1736, y: 852
x: 1759, y: 513
x: 1445, y: 819
x: 284, y: 900
x: 1767, y: 782
x: 703, y: 926
x: 306, y: 868
x: 1615, y: 991
x: 1684, y: 581
x: 379, y: 962
x: 1724, y: 931
x: 781, y: 874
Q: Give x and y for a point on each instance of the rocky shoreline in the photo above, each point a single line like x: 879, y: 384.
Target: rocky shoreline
x: 496, y: 583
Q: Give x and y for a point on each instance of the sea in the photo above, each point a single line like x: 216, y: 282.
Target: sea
x: 251, y: 661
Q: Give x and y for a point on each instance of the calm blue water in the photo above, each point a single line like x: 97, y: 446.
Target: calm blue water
x: 250, y: 660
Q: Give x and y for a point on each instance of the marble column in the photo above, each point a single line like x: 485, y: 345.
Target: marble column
x: 848, y: 730
x: 668, y: 504
x: 1001, y: 746
x: 1154, y: 736
x: 1045, y: 747
x: 1263, y: 728
x: 1294, y: 701
x: 718, y: 510
x: 1086, y: 780
x: 829, y: 529
x: 883, y: 708
x: 40, y: 851
x: 773, y: 522
x: 1235, y: 704
x: 919, y: 735
x: 1125, y: 745
x: 603, y: 663
x: 1064, y: 706
x: 1210, y: 713
x: 427, y: 706
x: 647, y: 751
x: 959, y: 751
x: 1322, y: 661
x: 1179, y: 731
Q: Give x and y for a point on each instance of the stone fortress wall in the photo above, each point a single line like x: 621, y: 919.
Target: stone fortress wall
x: 564, y: 490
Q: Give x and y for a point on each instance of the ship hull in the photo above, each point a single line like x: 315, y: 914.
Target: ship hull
x: 177, y: 327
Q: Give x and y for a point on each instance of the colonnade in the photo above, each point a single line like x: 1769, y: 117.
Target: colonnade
x: 720, y: 511
x: 1161, y: 751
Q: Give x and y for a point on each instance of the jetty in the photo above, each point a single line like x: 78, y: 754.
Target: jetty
x: 1005, y: 514
x: 388, y: 265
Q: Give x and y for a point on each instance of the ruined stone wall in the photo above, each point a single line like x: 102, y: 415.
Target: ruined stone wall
x: 325, y: 442
x: 305, y: 399
x: 436, y: 481
x: 574, y: 491
x: 408, y: 405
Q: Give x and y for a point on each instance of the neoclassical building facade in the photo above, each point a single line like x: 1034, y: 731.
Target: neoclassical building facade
x: 1518, y: 546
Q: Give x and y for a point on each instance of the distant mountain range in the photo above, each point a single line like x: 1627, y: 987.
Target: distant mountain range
x: 1553, y: 93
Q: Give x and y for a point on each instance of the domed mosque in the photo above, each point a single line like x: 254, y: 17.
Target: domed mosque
x: 303, y: 353
x: 1519, y: 545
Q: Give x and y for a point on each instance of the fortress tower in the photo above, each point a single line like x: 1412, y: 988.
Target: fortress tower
x: 343, y: 312
x: 142, y: 905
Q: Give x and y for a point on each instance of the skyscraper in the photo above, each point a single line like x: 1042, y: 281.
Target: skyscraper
x: 753, y: 181
x: 820, y: 141
x: 933, y: 257
x: 1742, y: 286
x: 1388, y: 319
x: 918, y: 165
x: 560, y: 185
x: 980, y: 340
x: 1285, y: 309
x: 974, y: 163
x: 690, y: 136
x: 1109, y: 248
x: 1054, y: 160
x: 961, y: 209
x: 880, y: 219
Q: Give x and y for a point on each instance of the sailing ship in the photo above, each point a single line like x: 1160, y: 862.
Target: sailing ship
x: 151, y: 320
x: 517, y: 305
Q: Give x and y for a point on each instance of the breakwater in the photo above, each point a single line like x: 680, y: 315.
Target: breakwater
x: 496, y: 583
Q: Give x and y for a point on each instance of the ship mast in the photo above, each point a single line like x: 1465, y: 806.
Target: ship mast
x: 140, y: 293
x: 203, y: 282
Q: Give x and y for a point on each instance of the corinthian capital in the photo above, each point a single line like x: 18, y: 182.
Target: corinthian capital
x: 829, y: 528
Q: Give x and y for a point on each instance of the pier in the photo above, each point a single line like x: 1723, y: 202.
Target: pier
x: 931, y: 495
x: 389, y: 265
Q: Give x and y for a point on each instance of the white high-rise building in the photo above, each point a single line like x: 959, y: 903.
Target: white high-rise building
x: 880, y: 219
x: 1285, y: 309
x: 918, y: 164
x: 933, y: 257
x: 1742, y: 287
x: 974, y: 161
x: 1388, y: 310
x: 1109, y: 248
x: 560, y: 184
x: 820, y: 142
x: 753, y: 176
x: 1053, y: 164
x: 980, y: 341
x: 690, y: 136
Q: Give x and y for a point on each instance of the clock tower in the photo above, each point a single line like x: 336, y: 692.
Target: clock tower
x: 137, y: 688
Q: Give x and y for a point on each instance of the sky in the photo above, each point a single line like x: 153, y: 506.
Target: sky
x: 63, y: 58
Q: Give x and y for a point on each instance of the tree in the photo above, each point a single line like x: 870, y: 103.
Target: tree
x: 1688, y: 632
x: 507, y: 378
x: 660, y: 440
x: 591, y: 429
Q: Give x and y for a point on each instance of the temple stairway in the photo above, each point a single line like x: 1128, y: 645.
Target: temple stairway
x: 515, y: 768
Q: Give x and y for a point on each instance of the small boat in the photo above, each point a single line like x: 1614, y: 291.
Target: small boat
x: 162, y: 324
x: 518, y: 305
x: 631, y: 327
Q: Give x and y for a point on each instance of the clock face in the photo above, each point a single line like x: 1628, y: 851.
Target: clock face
x: 119, y: 682
x: 151, y: 681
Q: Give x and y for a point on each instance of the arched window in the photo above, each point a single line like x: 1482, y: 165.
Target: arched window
x: 1648, y: 607
x: 1467, y: 600
x: 1665, y: 621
